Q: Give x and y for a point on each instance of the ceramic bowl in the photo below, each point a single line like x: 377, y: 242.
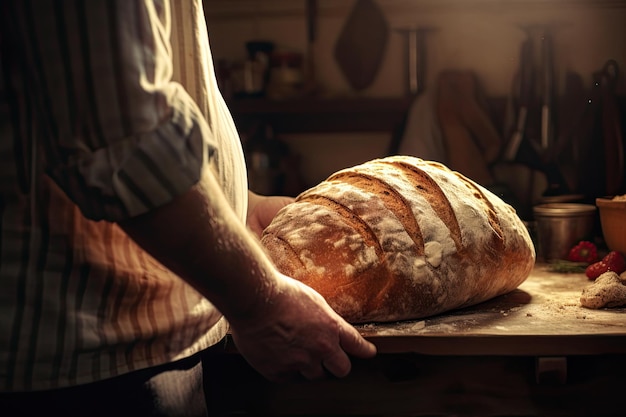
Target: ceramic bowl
x: 613, y: 220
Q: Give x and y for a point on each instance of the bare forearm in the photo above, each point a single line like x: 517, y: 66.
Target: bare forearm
x: 282, y: 327
x: 199, y: 238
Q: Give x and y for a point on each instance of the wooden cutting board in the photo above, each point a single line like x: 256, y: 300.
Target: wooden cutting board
x: 361, y: 44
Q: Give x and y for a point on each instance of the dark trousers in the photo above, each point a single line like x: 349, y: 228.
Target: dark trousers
x: 171, y: 390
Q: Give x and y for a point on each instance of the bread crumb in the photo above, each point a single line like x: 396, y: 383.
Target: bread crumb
x: 418, y: 326
x: 608, y: 290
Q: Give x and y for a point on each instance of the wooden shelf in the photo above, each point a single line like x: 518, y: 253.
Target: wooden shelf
x: 317, y: 115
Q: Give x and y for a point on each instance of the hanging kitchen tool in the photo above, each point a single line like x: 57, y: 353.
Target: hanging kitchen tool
x: 571, y: 111
x: 611, y: 128
x: 525, y: 91
x: 419, y: 132
x: 557, y: 184
x: 361, y: 44
x: 598, y: 138
x: 547, y: 113
x: 415, y: 57
x: 529, y: 145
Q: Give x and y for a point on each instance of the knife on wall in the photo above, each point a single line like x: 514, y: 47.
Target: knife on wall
x: 525, y: 97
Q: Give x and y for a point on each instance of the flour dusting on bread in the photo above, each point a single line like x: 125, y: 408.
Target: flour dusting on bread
x: 400, y: 238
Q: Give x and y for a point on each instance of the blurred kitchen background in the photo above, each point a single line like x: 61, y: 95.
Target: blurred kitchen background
x: 527, y: 97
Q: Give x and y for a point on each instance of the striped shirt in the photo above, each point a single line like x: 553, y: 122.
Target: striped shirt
x: 108, y: 109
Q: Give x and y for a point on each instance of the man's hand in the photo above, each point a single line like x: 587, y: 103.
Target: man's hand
x: 295, y: 333
x: 281, y: 326
x: 262, y: 209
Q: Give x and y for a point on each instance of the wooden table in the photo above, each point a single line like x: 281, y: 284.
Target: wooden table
x: 542, y: 317
x: 532, y: 352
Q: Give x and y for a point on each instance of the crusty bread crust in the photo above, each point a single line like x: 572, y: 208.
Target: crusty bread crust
x: 400, y: 238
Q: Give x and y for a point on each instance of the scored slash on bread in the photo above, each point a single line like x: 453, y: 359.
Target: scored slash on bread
x: 400, y: 238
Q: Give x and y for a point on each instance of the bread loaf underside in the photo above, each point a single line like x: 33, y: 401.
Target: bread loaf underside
x: 400, y: 238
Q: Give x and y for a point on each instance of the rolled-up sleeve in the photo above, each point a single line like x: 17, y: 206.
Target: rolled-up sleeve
x: 118, y: 135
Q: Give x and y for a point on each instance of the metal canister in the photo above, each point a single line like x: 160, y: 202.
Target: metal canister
x: 560, y: 226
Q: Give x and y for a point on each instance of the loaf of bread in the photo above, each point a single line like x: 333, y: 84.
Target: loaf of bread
x: 400, y: 238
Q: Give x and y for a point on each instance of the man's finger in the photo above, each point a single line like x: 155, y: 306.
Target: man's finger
x: 354, y: 344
